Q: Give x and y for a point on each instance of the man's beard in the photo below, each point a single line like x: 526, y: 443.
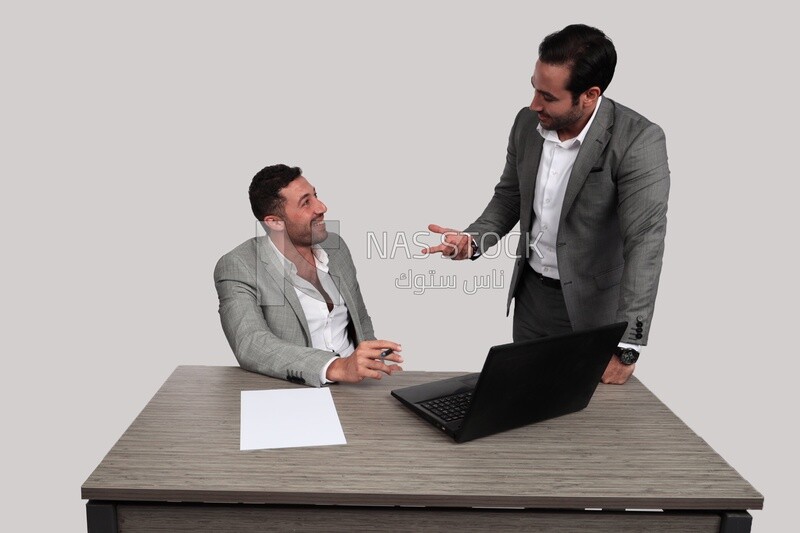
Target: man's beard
x: 564, y: 121
x: 318, y: 232
x: 309, y: 235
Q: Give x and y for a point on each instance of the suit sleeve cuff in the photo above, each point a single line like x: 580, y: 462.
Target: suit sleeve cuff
x: 638, y: 347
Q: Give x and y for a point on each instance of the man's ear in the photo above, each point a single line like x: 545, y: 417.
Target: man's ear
x: 273, y: 223
x: 590, y: 96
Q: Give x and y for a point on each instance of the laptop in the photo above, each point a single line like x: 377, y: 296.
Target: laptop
x: 521, y: 383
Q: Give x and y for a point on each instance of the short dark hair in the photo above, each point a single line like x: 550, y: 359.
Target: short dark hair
x: 588, y: 52
x: 265, y: 197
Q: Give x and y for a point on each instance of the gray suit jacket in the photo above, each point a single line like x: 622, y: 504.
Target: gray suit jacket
x: 262, y: 317
x: 610, y: 239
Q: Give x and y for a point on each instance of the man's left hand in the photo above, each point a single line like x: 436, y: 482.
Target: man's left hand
x: 616, y: 372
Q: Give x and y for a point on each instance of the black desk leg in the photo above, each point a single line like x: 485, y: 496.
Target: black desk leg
x: 736, y: 522
x: 101, y: 517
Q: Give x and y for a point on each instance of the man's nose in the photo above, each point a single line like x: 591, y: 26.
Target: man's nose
x: 536, y: 104
x: 321, y: 207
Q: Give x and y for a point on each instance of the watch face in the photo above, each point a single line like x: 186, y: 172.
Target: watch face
x: 628, y: 356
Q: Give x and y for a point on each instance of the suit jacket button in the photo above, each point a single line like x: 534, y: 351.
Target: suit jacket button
x: 638, y: 335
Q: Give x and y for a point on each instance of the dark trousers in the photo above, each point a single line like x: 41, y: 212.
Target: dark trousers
x: 539, y: 308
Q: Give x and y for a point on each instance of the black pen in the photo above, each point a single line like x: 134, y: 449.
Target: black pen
x: 387, y: 351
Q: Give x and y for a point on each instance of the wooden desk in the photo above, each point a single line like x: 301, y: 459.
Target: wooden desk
x: 178, y: 467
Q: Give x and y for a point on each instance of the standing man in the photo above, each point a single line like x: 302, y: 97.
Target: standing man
x: 588, y: 181
x: 289, y: 302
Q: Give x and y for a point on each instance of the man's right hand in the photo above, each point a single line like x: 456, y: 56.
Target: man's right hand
x: 455, y: 244
x: 365, y: 362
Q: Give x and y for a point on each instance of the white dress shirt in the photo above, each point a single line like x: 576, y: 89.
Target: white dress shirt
x: 555, y: 166
x: 328, y: 329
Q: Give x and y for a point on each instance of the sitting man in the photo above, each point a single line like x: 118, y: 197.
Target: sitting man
x: 289, y: 302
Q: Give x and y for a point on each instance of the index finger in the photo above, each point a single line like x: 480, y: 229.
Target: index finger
x: 440, y: 229
x: 380, y: 344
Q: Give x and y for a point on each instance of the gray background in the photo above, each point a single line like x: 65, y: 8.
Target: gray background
x: 130, y: 133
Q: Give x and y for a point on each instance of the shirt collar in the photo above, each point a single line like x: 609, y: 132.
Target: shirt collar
x: 552, y: 135
x: 320, y: 258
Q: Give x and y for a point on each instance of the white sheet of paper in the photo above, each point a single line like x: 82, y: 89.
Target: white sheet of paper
x: 289, y: 418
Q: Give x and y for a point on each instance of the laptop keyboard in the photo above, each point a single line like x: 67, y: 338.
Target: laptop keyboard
x: 449, y: 408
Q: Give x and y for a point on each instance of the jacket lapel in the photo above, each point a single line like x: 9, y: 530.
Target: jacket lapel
x: 336, y: 270
x: 589, y: 154
x: 527, y: 177
x: 272, y: 266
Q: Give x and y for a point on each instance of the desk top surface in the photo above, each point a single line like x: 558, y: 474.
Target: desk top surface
x: 184, y: 446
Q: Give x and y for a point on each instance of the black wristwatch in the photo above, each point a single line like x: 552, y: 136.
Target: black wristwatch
x: 627, y: 356
x: 476, y: 252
